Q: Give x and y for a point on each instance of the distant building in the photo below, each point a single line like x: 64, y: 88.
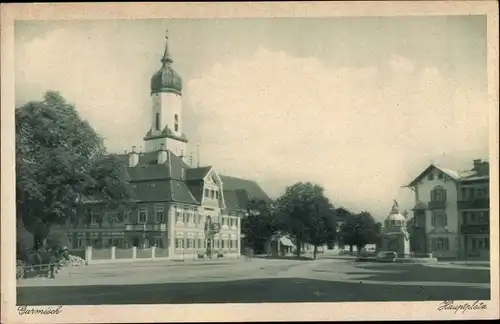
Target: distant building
x: 451, y: 212
x: 175, y: 204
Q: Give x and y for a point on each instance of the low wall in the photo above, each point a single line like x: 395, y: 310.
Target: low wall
x: 101, y: 254
x: 161, y: 253
x: 114, y: 254
x: 144, y: 253
x: 123, y: 253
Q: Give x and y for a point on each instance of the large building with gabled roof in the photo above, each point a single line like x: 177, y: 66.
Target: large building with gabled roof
x: 451, y: 216
x: 176, y: 206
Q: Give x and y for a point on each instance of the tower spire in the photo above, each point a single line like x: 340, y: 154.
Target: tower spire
x: 166, y: 59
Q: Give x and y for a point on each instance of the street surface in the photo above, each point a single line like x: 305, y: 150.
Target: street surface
x: 256, y: 280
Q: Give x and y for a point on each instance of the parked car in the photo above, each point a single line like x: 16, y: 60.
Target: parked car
x: 367, y: 255
x: 387, y: 256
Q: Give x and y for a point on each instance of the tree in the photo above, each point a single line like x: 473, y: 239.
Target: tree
x: 259, y: 225
x: 307, y: 215
x: 61, y: 162
x: 360, y: 230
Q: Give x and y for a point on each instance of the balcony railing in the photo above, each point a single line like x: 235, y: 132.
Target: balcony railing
x: 474, y: 203
x: 475, y: 229
x: 146, y: 227
x: 437, y: 204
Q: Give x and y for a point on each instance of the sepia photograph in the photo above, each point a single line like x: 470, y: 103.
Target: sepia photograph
x: 252, y: 160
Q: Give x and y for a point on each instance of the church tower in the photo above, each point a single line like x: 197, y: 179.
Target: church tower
x: 166, y: 112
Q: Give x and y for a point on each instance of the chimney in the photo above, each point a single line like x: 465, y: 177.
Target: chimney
x: 477, y: 163
x: 133, y: 158
x: 162, y: 154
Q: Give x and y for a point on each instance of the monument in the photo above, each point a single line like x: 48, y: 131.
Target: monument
x: 395, y: 236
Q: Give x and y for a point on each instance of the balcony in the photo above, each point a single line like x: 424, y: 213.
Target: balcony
x: 475, y: 229
x: 437, y: 204
x: 474, y: 203
x: 146, y: 227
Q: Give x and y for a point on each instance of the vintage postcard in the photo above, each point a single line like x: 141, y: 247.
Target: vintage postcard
x: 169, y: 162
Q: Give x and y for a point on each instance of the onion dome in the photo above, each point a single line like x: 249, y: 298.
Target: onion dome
x: 166, y: 79
x: 395, y: 218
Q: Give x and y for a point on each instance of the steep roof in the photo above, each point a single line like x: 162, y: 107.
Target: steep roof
x: 197, y: 173
x: 231, y: 201
x: 175, y: 181
x: 456, y: 175
x: 251, y: 188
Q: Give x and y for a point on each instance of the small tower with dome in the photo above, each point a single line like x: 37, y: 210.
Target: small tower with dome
x: 395, y: 236
x: 165, y: 131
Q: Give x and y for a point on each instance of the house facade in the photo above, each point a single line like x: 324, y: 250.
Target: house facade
x: 447, y: 214
x: 179, y: 209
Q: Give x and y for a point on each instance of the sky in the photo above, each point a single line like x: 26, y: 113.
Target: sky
x: 359, y: 105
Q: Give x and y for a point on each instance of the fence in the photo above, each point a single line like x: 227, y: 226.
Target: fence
x: 94, y: 255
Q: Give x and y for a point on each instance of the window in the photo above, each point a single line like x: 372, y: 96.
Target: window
x: 200, y: 243
x: 430, y: 176
x: 160, y: 214
x: 235, y: 244
x: 473, y: 217
x: 471, y: 193
x: 80, y: 243
x: 222, y: 243
x: 440, y: 175
x: 439, y: 219
x: 465, y: 217
x: 190, y: 243
x: 143, y: 215
x: 440, y: 244
x: 207, y: 193
x: 464, y: 193
x: 176, y: 119
x: 185, y: 215
x: 93, y: 219
x: 178, y: 217
x: 483, y: 217
x: 70, y: 243
x: 157, y: 121
x: 179, y: 243
x: 126, y: 217
x: 482, y: 192
x: 216, y: 195
x: 438, y: 194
